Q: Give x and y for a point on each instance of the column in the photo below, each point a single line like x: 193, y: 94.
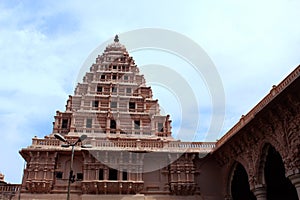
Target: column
x: 227, y: 197
x: 260, y: 192
x: 72, y: 125
x: 107, y: 128
x: 295, y: 179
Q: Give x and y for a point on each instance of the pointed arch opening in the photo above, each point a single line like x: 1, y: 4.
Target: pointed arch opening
x: 240, y: 189
x: 278, y: 185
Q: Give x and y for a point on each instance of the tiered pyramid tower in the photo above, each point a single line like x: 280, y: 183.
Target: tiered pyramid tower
x: 132, y: 151
x: 113, y: 101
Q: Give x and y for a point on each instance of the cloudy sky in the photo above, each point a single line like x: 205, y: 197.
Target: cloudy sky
x: 253, y: 44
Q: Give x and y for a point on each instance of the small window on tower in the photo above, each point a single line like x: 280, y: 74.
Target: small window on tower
x: 137, y: 124
x: 113, y: 174
x: 124, y: 177
x: 113, y: 104
x: 160, y: 127
x: 102, y: 77
x: 114, y: 77
x: 125, y: 78
x: 79, y: 176
x: 114, y: 67
x: 131, y: 105
x: 128, y: 90
x: 101, y: 174
x: 89, y: 123
x: 59, y: 175
x: 99, y: 88
x: 95, y: 104
x: 113, y: 124
x: 64, y: 123
x: 113, y: 89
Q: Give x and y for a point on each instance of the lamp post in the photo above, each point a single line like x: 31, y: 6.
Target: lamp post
x: 80, y: 139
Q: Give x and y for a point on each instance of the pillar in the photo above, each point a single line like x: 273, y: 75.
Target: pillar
x: 227, y: 197
x: 260, y: 192
x: 295, y: 179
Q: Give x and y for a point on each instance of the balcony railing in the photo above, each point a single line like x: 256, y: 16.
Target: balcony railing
x: 136, y: 145
x: 9, y: 191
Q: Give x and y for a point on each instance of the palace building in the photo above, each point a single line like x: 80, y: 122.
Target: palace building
x: 129, y: 151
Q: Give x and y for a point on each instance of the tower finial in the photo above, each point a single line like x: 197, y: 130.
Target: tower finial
x: 116, y: 38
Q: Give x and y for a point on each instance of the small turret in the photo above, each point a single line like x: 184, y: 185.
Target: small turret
x: 2, y: 182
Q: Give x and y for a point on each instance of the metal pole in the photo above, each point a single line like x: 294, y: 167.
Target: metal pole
x: 71, y: 171
x: 80, y: 139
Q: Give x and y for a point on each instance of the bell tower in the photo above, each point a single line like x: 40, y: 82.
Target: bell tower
x: 112, y: 101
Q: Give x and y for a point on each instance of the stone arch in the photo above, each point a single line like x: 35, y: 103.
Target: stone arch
x: 229, y: 177
x: 271, y: 174
x: 260, y: 176
x: 238, y: 186
x: 263, y: 152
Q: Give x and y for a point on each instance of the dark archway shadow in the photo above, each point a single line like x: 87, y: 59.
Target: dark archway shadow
x: 278, y: 186
x: 240, y: 189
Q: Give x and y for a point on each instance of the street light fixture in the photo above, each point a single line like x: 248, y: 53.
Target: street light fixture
x: 80, y: 139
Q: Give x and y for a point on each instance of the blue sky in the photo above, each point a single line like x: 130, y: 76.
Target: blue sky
x: 253, y: 44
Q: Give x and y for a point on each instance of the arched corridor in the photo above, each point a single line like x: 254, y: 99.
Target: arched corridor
x: 278, y: 186
x: 266, y: 143
x: 240, y: 189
